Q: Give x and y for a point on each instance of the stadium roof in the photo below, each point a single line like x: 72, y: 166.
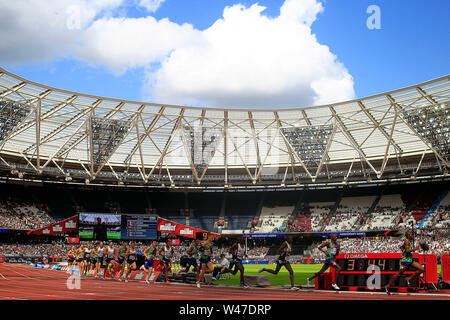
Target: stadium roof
x: 53, y: 134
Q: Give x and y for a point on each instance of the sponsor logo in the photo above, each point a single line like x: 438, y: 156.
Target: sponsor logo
x: 167, y: 227
x: 45, y: 231
x: 139, y: 276
x: 70, y: 224
x: 187, y: 231
x: 355, y: 256
x: 57, y: 228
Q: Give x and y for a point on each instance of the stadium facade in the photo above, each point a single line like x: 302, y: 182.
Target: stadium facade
x: 49, y: 134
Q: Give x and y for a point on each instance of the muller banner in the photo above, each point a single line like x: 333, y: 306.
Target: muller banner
x: 179, y: 229
x: 70, y: 224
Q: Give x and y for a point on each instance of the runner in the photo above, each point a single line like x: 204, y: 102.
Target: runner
x: 86, y: 259
x: 71, y: 259
x: 110, y: 262
x: 100, y: 256
x: 283, y: 260
x: 150, y: 253
x: 130, y: 264
x: 333, y: 249
x: 193, y: 256
x: 167, y: 253
x: 238, y: 252
x: 80, y: 258
x: 205, y: 258
x: 407, y: 260
x: 92, y: 265
x: 120, y: 260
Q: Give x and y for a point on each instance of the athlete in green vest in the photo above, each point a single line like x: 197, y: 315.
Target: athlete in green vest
x: 205, y: 258
x: 150, y: 253
x: 407, y: 260
x: 332, y: 251
x: 193, y: 252
x: 121, y: 256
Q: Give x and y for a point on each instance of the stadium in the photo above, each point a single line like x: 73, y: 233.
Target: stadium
x: 365, y: 170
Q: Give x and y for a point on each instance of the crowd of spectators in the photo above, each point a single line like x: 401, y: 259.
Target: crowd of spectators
x: 438, y: 245
x: 57, y: 249
x: 23, y: 216
x: 344, y: 218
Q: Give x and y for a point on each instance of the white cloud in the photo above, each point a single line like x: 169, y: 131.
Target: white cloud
x: 247, y: 59
x: 151, y: 5
x: 34, y: 30
x: 124, y: 43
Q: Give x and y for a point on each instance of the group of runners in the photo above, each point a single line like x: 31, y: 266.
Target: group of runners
x: 123, y: 260
x: 119, y: 262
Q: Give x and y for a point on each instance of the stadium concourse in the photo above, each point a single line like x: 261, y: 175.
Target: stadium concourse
x: 366, y: 170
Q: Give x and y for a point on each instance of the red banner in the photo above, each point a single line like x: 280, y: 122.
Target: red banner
x: 70, y: 224
x: 445, y: 262
x: 179, y: 229
x: 73, y: 240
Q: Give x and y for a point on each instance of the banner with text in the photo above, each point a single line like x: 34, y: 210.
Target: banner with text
x: 68, y: 225
x: 179, y: 229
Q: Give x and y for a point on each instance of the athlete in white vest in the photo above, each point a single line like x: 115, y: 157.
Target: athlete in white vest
x: 109, y: 262
x: 166, y: 252
x: 100, y: 256
x: 130, y: 264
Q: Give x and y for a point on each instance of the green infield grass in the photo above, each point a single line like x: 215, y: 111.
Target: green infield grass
x: 301, y: 272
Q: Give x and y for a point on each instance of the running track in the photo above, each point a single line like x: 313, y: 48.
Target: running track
x: 22, y: 282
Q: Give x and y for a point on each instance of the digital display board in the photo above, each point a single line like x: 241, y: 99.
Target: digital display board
x: 87, y: 222
x: 137, y: 227
x: 265, y: 235
x: 356, y: 268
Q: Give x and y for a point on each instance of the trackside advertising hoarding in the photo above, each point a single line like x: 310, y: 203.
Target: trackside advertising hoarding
x: 179, y: 229
x: 68, y: 225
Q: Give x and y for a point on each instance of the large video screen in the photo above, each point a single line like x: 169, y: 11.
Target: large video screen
x: 125, y: 226
x: 139, y: 227
x: 87, y: 222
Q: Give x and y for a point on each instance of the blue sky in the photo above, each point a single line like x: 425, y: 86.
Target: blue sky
x: 412, y: 46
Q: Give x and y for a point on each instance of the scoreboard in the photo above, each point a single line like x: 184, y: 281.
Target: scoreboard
x: 360, y: 270
x: 139, y: 227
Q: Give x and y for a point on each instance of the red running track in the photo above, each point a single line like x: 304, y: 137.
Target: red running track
x: 22, y: 282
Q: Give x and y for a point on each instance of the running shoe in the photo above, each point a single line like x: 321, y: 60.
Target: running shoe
x: 308, y: 282
x: 126, y: 280
x: 294, y: 289
x: 146, y: 281
x: 335, y: 286
x: 408, y: 284
x: 167, y: 282
x: 388, y: 291
x: 260, y: 270
x: 198, y: 284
